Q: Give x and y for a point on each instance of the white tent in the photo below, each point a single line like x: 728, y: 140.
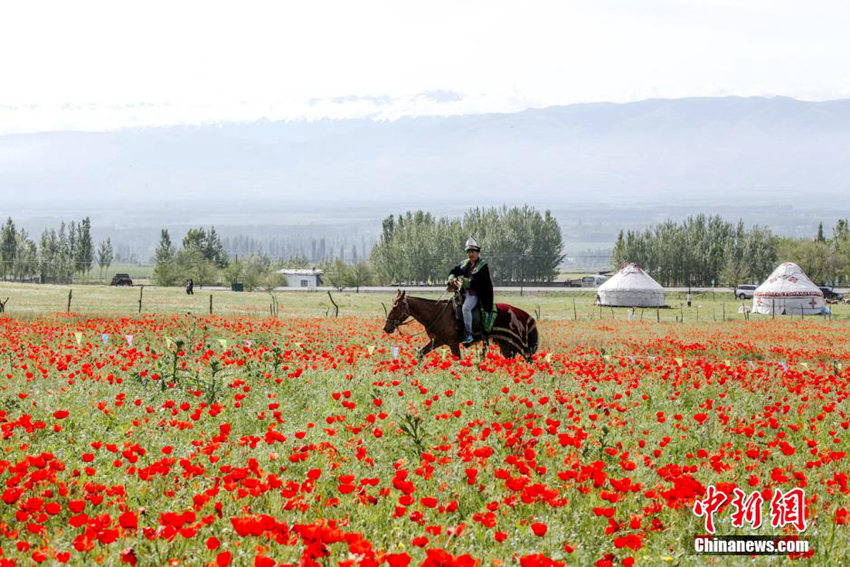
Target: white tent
x: 788, y: 291
x: 631, y: 287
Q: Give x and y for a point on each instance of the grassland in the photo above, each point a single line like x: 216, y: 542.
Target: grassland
x: 100, y: 300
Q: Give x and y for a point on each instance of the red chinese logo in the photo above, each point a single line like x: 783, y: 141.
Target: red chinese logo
x: 786, y: 509
x: 747, y: 509
x: 714, y: 499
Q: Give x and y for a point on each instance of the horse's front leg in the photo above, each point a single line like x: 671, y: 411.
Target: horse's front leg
x: 425, y: 350
x: 455, y: 350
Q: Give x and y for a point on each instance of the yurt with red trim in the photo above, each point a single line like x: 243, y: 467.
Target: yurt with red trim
x: 631, y: 287
x: 788, y: 291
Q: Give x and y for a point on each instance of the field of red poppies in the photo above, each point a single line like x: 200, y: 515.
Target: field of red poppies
x: 225, y: 441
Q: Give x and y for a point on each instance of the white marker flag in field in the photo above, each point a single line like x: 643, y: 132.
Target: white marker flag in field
x: 249, y: 343
x: 223, y: 343
x: 168, y: 342
x: 79, y: 336
x: 129, y: 339
x: 105, y: 337
x: 370, y: 349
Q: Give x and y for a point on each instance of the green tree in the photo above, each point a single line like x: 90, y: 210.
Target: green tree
x: 208, y: 244
x: 83, y: 248
x: 338, y: 274
x: 8, y: 246
x: 700, y: 250
x: 813, y: 257
x: 105, y: 255
x: 361, y: 275
x: 518, y: 243
x: 49, y: 261
x: 192, y: 263
x: 735, y: 265
x: 26, y: 257
x: 840, y: 244
x: 258, y: 268
x: 214, y: 249
x: 233, y: 272
x: 65, y: 258
x: 761, y: 253
x: 165, y: 271
x: 271, y: 279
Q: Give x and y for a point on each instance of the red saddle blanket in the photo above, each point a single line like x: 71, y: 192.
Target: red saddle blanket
x: 513, y: 325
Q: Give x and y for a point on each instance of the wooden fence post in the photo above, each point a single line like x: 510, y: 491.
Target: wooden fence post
x: 141, y: 290
x: 211, y: 307
x: 336, y: 307
x: 70, y: 292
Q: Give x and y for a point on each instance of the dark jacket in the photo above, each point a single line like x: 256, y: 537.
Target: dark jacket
x: 479, y: 282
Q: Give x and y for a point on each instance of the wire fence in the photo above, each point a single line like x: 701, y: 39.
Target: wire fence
x: 566, y: 304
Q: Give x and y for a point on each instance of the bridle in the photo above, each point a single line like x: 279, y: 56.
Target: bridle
x: 405, y: 315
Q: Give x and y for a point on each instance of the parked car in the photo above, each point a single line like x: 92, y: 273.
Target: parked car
x: 830, y: 295
x: 595, y: 280
x: 575, y: 282
x: 745, y: 291
x: 122, y: 279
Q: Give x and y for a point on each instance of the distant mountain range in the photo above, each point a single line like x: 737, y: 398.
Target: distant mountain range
x: 711, y: 151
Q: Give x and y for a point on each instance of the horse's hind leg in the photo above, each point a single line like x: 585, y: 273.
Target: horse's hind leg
x: 455, y: 350
x: 507, y: 350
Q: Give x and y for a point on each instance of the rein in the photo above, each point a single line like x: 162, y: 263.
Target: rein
x: 399, y: 322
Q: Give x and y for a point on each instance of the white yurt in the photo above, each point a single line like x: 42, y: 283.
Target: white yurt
x: 631, y: 287
x: 788, y: 291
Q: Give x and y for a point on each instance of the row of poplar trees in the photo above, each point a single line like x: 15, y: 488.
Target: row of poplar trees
x: 520, y: 244
x: 700, y: 251
x: 825, y: 259
x: 59, y: 256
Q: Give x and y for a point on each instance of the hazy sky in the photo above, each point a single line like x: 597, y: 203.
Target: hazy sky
x: 100, y: 65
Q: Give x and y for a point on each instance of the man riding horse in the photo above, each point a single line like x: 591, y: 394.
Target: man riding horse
x: 472, y: 276
x: 513, y: 330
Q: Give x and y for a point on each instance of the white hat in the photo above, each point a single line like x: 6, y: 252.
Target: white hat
x: 471, y: 244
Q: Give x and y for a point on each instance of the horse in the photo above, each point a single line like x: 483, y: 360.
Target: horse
x: 514, y: 331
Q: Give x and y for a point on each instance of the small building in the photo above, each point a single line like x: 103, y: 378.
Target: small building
x: 309, y: 278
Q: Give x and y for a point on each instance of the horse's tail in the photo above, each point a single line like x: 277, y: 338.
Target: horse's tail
x: 533, y: 339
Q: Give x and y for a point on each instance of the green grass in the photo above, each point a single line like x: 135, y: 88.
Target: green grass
x: 102, y: 300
